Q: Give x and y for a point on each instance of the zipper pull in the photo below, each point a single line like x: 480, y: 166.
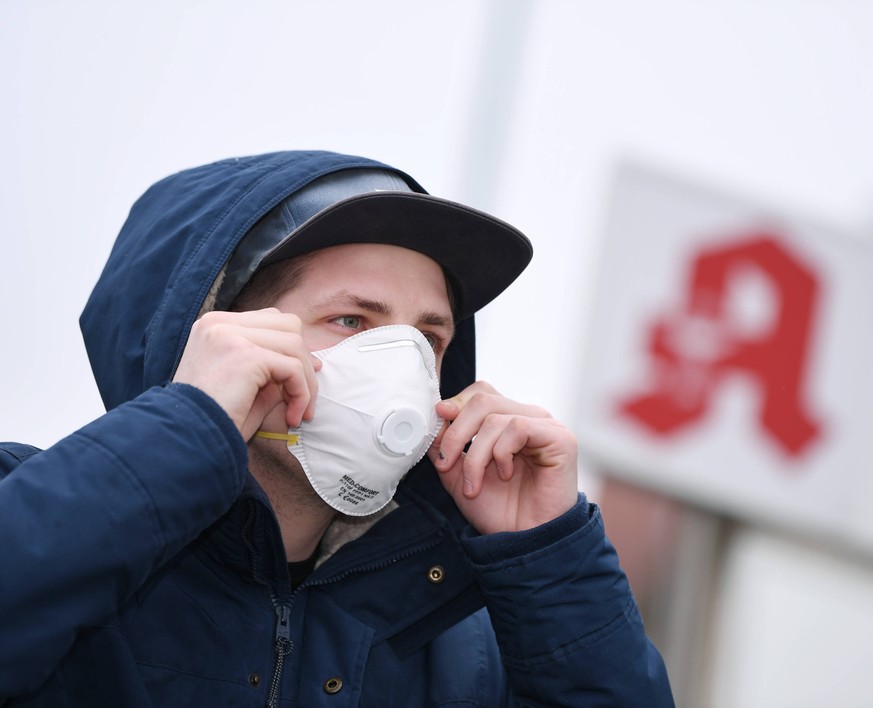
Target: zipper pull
x: 283, y: 626
x: 284, y: 645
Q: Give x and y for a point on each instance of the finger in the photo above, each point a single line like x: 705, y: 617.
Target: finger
x: 504, y: 439
x: 282, y: 341
x: 312, y: 382
x: 282, y: 359
x: 217, y: 340
x: 268, y: 318
x: 294, y: 370
x: 436, y: 458
x: 482, y: 397
x: 265, y: 401
x: 467, y: 422
x: 292, y: 391
x: 289, y: 342
x: 435, y: 444
x: 451, y: 477
x: 299, y: 386
x: 494, y: 445
x: 514, y: 438
x: 481, y: 403
x: 456, y: 403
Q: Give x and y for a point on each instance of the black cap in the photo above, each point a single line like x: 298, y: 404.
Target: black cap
x: 480, y: 254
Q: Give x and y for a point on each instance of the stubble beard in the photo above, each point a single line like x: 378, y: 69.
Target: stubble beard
x: 283, y: 479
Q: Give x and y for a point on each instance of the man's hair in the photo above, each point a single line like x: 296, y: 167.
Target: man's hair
x: 270, y: 283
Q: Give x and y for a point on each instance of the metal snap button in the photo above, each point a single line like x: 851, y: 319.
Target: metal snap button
x: 254, y: 678
x: 333, y: 685
x: 436, y: 574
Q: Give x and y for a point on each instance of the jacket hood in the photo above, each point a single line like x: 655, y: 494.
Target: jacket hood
x: 172, y: 247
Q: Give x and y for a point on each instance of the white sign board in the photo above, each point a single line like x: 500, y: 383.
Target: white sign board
x: 729, y: 361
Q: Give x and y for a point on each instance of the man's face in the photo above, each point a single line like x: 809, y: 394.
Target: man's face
x: 339, y: 292
x: 352, y: 288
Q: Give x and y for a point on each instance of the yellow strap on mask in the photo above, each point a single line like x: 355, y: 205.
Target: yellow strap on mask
x: 288, y: 437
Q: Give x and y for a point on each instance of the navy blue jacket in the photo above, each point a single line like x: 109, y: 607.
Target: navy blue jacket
x: 142, y: 565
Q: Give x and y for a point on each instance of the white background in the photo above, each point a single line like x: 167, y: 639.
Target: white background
x: 520, y: 108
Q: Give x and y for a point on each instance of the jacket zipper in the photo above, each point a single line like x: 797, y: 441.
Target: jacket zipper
x: 282, y: 648
x: 284, y: 645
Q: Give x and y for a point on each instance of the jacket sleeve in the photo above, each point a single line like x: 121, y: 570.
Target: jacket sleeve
x: 567, y: 625
x: 84, y: 523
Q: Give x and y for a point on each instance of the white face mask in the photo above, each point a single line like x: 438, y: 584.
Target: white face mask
x: 375, y: 417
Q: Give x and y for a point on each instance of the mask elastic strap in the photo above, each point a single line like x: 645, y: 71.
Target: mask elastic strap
x: 287, y: 437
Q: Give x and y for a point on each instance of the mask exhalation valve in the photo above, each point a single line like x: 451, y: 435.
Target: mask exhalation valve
x: 402, y: 431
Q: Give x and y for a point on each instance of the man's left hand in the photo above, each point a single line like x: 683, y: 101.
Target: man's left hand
x: 520, y: 469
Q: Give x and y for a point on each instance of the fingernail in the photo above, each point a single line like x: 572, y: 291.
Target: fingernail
x: 468, y: 486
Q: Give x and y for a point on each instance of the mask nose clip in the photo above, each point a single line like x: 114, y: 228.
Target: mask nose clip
x: 402, y: 431
x: 426, y: 356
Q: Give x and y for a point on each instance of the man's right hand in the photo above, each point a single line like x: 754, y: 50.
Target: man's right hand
x: 251, y: 362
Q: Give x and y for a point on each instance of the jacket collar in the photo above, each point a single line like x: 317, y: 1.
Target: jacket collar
x: 381, y: 569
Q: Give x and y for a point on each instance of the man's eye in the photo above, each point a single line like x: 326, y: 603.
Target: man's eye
x: 350, y: 321
x: 434, y: 341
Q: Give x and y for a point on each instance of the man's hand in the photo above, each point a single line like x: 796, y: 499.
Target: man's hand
x: 520, y: 469
x: 250, y: 362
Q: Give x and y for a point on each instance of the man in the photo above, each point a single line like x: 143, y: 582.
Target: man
x: 229, y: 532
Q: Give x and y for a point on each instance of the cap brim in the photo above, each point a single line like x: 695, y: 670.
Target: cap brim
x: 481, y: 255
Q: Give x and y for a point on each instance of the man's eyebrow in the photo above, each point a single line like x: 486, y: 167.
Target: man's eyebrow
x: 346, y: 299
x: 435, y: 319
